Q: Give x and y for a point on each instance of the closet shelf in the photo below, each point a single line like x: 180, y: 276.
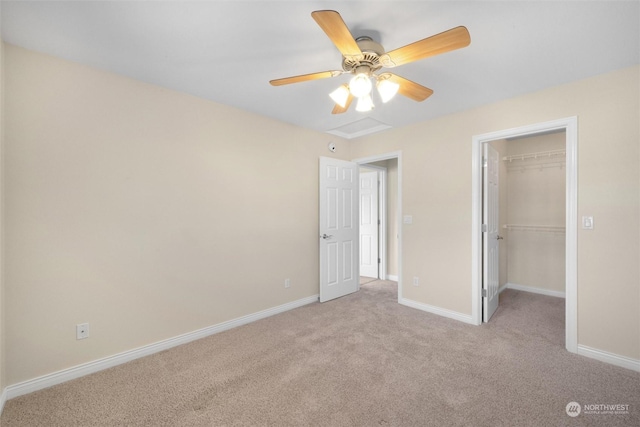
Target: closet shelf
x: 537, y: 228
x: 540, y: 155
x: 521, y: 167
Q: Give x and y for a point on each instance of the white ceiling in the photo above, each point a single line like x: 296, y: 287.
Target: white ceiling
x: 227, y: 51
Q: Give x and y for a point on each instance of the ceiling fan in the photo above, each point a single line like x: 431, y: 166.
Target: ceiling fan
x: 364, y: 58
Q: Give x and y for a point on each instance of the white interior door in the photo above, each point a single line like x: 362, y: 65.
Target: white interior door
x: 369, y: 258
x: 338, y: 228
x: 490, y: 224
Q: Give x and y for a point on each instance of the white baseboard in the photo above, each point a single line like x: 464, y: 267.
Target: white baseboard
x: 392, y: 277
x: 3, y: 399
x: 548, y: 292
x: 613, y: 359
x: 64, y: 375
x: 466, y: 318
x: 583, y: 350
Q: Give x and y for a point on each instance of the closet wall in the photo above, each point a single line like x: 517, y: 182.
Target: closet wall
x: 534, y: 229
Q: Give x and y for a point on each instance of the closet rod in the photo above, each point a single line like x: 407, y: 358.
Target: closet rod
x: 541, y: 228
x: 536, y: 166
x: 537, y: 155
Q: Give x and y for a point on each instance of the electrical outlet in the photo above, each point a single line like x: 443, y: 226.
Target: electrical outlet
x: 287, y: 283
x: 416, y: 281
x: 82, y: 331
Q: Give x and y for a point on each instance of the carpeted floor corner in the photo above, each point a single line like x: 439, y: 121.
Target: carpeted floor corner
x: 360, y: 360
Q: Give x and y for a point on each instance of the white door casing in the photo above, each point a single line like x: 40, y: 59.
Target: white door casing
x: 398, y: 202
x: 339, y: 267
x: 570, y: 126
x: 369, y: 224
x: 490, y: 236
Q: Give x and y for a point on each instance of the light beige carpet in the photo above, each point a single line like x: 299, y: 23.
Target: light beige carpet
x: 361, y: 360
x: 365, y: 280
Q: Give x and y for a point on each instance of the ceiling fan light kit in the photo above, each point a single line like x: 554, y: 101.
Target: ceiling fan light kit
x: 360, y: 85
x: 363, y: 57
x: 365, y: 103
x: 386, y: 88
x: 340, y: 95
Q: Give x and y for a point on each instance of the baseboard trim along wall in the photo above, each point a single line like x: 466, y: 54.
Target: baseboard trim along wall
x: 466, y: 318
x: 583, y: 350
x: 548, y: 292
x: 613, y: 359
x: 3, y: 399
x: 98, y: 365
x: 117, y: 359
x: 392, y: 277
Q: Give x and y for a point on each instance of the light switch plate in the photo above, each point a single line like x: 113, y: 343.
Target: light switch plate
x: 407, y: 219
x: 587, y: 223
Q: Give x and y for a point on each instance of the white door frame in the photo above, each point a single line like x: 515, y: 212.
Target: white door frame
x: 381, y: 157
x: 382, y: 216
x: 570, y: 126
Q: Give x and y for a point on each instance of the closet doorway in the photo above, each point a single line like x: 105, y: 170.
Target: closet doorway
x: 538, y: 229
x: 532, y: 216
x: 529, y: 235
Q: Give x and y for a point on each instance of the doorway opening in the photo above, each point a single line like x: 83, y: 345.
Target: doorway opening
x: 529, y: 203
x: 569, y: 126
x: 381, y: 242
x: 373, y: 220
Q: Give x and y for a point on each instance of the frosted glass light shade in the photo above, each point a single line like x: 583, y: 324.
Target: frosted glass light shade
x: 360, y: 85
x: 340, y: 95
x: 387, y: 89
x: 365, y: 103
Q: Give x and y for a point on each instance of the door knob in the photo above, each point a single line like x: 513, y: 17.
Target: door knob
x: 499, y: 237
x: 326, y: 236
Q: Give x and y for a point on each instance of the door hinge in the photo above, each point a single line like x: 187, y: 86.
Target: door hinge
x: 484, y: 162
x: 484, y: 228
x: 378, y: 222
x: 378, y: 260
x: 484, y: 293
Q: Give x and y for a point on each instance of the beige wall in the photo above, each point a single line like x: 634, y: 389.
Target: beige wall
x: 536, y: 196
x: 437, y: 192
x: 392, y: 217
x: 3, y: 382
x: 145, y: 212
x: 138, y: 209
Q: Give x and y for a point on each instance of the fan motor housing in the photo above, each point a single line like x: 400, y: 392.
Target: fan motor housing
x: 371, y: 53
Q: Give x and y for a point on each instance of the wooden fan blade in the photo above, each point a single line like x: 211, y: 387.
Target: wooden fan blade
x: 334, y: 27
x: 449, y: 40
x: 304, y: 78
x: 337, y: 109
x: 411, y: 89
